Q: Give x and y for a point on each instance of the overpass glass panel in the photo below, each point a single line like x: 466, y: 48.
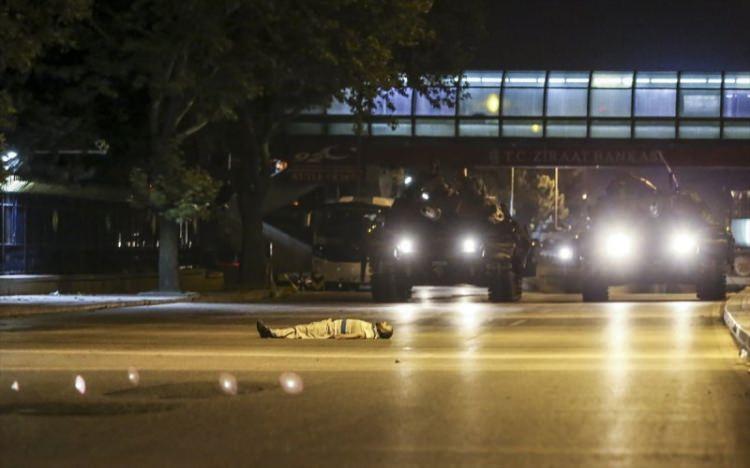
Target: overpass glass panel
x: 339, y: 107
x: 480, y: 102
x: 700, y: 80
x: 567, y: 94
x: 662, y: 80
x: 699, y: 103
x: 559, y: 104
x: 435, y: 127
x: 523, y: 102
x: 400, y: 103
x: 736, y: 130
x: 737, y: 103
x: 424, y: 105
x: 524, y: 94
x: 655, y: 129
x: 655, y: 102
x: 610, y: 102
x: 610, y: 129
x: 522, y: 128
x: 525, y: 79
x: 566, y: 129
x: 401, y: 127
x: 700, y: 129
x: 479, y: 128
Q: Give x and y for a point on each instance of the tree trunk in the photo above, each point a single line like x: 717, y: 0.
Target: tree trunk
x: 169, y: 279
x: 251, y: 181
x: 253, y: 260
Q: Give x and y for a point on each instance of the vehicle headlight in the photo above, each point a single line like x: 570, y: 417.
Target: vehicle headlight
x: 565, y: 253
x: 469, y: 245
x: 619, y: 245
x: 405, y: 245
x: 683, y: 243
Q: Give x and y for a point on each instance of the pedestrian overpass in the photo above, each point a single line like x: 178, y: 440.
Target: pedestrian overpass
x: 543, y: 118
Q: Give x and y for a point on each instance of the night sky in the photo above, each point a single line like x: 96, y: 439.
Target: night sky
x: 696, y: 35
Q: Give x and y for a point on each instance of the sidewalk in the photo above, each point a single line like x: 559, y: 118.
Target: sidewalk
x: 737, y: 317
x: 15, y: 306
x: 31, y: 304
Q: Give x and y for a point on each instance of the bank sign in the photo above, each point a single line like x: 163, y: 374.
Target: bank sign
x: 333, y: 158
x: 576, y: 157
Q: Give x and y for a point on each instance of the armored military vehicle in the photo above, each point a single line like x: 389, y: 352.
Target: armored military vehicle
x: 638, y: 234
x: 442, y: 234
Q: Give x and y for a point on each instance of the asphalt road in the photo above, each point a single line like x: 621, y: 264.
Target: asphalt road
x: 652, y: 380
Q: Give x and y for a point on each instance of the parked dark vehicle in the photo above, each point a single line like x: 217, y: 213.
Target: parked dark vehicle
x: 637, y: 234
x: 339, y: 230
x: 437, y: 234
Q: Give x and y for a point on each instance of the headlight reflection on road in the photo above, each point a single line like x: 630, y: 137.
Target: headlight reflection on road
x: 15, y: 386
x: 291, y: 383
x: 80, y: 384
x: 133, y: 376
x: 681, y: 333
x: 469, y: 316
x: 228, y: 383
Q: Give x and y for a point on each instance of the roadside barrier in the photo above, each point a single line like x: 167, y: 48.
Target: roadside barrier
x: 737, y: 318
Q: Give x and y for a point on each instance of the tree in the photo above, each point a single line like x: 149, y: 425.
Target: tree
x: 169, y: 53
x: 292, y: 55
x: 27, y: 29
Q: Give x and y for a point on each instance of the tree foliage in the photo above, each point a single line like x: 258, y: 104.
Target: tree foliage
x: 176, y: 192
x: 26, y: 29
x: 291, y: 55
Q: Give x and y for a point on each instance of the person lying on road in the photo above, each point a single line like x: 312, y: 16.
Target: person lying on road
x: 342, y: 329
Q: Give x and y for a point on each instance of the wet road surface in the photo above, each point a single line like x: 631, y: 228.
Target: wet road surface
x: 650, y: 380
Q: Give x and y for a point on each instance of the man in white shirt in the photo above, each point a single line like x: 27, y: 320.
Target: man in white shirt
x: 341, y: 329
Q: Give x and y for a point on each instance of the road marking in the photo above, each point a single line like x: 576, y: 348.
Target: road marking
x: 307, y: 354
x: 517, y: 322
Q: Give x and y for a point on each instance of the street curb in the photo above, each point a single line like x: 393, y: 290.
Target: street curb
x: 735, y: 304
x: 27, y: 310
x: 246, y: 296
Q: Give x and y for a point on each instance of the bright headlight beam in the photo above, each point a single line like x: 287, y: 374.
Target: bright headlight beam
x: 618, y: 245
x: 425, y: 196
x: 565, y: 253
x: 683, y: 243
x: 405, y: 245
x: 469, y: 245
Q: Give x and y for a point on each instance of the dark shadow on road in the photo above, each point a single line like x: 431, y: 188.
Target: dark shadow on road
x: 84, y: 408
x: 185, y: 391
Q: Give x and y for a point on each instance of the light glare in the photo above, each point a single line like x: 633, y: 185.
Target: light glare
x: 619, y: 245
x: 565, y: 253
x: 80, y: 384
x: 405, y: 245
x: 228, y: 383
x: 684, y: 243
x: 469, y: 245
x: 291, y: 383
x: 133, y: 376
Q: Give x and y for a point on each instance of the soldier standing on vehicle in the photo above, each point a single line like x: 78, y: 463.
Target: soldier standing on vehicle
x: 341, y: 329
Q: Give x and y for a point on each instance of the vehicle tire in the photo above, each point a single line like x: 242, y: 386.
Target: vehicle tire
x: 713, y: 287
x: 506, y: 287
x: 594, y: 291
x: 386, y: 288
